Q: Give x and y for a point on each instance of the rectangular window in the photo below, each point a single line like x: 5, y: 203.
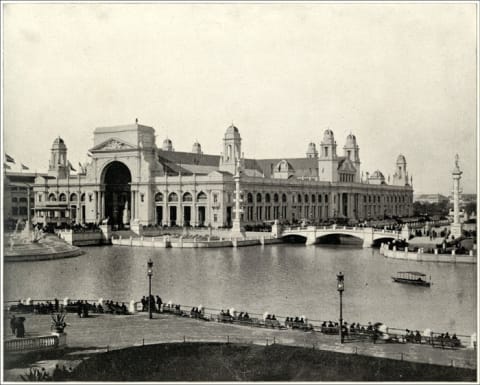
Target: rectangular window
x: 14, y: 210
x: 215, y: 198
x: 215, y: 217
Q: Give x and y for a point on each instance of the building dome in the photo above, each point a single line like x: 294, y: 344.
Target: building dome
x: 401, y: 159
x: 232, y: 132
x: 167, y: 145
x: 328, y: 137
x: 377, y: 174
x: 58, y: 143
x: 196, y: 148
x: 351, y: 141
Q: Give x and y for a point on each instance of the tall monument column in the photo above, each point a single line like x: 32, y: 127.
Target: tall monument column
x: 456, y: 226
x: 237, y: 228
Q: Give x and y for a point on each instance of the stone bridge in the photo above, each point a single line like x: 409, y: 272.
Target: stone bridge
x: 367, y: 234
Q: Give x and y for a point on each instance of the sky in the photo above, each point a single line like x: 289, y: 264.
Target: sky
x: 401, y: 77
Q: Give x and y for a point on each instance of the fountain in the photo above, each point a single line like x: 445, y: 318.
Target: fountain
x: 25, y: 236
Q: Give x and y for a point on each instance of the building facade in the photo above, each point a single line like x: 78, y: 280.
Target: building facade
x: 129, y: 179
x: 18, y: 198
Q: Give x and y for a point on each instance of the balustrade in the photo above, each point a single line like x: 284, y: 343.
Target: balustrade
x: 35, y: 343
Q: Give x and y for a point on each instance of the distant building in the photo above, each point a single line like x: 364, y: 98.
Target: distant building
x: 430, y: 198
x: 16, y: 186
x: 465, y: 199
x: 130, y: 179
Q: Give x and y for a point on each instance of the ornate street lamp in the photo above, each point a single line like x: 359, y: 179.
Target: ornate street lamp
x: 150, y: 273
x: 340, y: 288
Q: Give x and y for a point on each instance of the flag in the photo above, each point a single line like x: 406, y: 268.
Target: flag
x: 24, y: 167
x: 71, y: 167
x: 9, y: 158
x: 6, y: 166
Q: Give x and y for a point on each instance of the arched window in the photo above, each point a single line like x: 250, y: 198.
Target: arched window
x: 306, y: 198
x: 319, y: 198
x: 267, y: 198
x: 62, y: 197
x: 159, y: 197
x: 259, y: 197
x: 326, y: 198
x: 299, y: 198
x: 249, y: 198
x: 275, y: 198
x: 173, y: 197
x: 284, y: 198
x: 229, y: 151
x: 52, y: 198
x: 82, y: 197
x: 73, y: 197
x: 187, y: 197
x: 201, y: 197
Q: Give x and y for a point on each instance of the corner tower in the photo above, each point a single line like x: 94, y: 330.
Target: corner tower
x: 328, y: 160
x: 352, y: 152
x: 400, y: 177
x: 232, y: 149
x: 312, y: 151
x: 58, y: 165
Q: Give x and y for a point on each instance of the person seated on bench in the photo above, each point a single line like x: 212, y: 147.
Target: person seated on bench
x: 246, y: 316
x: 455, y: 340
x: 273, y: 318
x: 330, y: 324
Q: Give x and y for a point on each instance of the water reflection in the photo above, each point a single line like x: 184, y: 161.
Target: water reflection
x: 288, y: 280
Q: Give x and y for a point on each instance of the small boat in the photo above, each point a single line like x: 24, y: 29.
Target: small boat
x: 412, y: 278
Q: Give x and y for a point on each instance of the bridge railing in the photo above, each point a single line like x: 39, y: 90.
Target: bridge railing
x: 33, y: 343
x: 334, y: 227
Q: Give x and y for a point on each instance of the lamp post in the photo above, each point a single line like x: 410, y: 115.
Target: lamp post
x: 340, y: 288
x: 150, y: 273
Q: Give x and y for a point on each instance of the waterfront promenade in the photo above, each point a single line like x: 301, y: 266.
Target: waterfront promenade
x: 102, y: 332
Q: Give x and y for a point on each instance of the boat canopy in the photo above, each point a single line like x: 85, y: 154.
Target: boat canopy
x: 412, y: 273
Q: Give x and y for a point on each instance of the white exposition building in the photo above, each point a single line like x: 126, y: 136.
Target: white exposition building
x: 130, y: 179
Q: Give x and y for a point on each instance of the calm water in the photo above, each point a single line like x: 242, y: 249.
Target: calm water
x: 287, y: 280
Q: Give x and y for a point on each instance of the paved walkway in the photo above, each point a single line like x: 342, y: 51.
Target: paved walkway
x: 103, y: 331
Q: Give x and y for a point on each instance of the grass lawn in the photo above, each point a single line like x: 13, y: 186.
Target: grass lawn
x: 232, y: 362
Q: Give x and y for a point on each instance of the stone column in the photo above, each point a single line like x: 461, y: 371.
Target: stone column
x: 166, y: 214
x: 237, y: 228
x: 102, y: 204
x: 96, y: 207
x: 133, y: 208
x: 456, y: 226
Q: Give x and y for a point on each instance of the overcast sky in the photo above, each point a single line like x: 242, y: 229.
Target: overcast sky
x: 401, y: 77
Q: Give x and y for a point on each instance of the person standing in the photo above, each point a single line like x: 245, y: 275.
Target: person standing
x: 159, y: 303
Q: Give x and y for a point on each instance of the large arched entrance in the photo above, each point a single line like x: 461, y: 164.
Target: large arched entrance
x: 117, y: 179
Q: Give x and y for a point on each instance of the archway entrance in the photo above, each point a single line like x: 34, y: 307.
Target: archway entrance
x: 117, y: 179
